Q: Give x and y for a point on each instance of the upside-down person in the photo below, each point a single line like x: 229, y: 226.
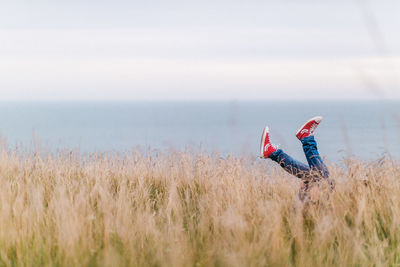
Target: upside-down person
x: 310, y: 174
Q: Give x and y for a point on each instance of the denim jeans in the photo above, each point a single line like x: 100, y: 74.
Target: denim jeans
x: 311, y: 173
x: 315, y: 169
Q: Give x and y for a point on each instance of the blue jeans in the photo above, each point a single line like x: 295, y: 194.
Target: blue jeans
x: 315, y: 169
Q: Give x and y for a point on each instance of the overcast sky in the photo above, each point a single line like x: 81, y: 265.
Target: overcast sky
x: 192, y: 50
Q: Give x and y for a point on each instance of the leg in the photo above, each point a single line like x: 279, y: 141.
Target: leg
x: 313, y: 158
x: 291, y: 165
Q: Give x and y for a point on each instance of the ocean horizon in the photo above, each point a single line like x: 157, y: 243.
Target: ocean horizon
x: 367, y: 130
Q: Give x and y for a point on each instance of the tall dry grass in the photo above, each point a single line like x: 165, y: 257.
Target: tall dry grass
x: 185, y: 209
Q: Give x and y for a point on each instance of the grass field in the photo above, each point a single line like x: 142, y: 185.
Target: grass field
x: 185, y: 209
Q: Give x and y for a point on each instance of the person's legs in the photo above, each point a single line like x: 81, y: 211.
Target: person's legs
x: 313, y: 158
x: 309, y: 174
x: 291, y: 165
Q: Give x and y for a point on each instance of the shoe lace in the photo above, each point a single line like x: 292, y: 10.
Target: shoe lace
x: 312, y: 128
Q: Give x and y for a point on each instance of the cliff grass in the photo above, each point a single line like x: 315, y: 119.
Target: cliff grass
x: 187, y: 209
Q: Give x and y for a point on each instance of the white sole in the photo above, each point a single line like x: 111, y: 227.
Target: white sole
x: 266, y: 130
x: 316, y: 118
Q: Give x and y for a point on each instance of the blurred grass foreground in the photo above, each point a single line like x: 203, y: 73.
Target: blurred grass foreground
x: 187, y: 209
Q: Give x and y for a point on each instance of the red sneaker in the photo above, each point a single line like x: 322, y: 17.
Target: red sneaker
x: 266, y: 148
x: 308, y: 128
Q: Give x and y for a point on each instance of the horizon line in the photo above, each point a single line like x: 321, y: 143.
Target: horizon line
x: 197, y: 100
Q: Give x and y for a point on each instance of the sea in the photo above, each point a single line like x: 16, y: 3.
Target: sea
x: 366, y: 130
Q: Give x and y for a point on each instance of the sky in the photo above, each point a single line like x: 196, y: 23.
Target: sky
x: 199, y: 50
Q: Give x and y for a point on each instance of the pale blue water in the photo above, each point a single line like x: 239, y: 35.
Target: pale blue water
x: 366, y: 129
